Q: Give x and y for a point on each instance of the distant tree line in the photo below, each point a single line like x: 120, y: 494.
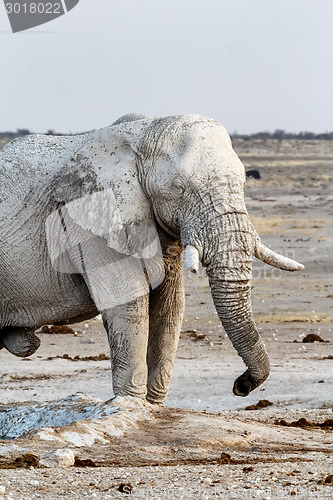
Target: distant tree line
x: 282, y: 134
x: 11, y: 135
x: 277, y: 134
x: 25, y: 131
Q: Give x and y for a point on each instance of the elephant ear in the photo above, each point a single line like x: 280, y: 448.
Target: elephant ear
x: 100, y: 192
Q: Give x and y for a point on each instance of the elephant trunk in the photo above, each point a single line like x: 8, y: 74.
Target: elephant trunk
x: 226, y: 250
x: 227, y: 255
x: 232, y: 300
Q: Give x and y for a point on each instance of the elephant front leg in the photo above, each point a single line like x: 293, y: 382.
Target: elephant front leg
x: 127, y: 328
x: 166, y: 312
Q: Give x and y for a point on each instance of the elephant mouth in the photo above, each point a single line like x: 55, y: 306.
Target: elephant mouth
x: 169, y: 230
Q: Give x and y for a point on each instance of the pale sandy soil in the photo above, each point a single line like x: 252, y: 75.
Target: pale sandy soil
x: 292, y: 209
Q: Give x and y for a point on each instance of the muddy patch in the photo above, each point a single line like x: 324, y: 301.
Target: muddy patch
x: 56, y: 329
x: 25, y: 461
x: 305, y: 424
x: 128, y: 432
x: 77, y: 357
x: 262, y: 403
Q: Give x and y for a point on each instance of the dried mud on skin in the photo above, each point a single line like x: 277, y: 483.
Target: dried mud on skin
x: 291, y: 207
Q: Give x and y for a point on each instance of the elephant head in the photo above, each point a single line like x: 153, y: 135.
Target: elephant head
x: 182, y: 174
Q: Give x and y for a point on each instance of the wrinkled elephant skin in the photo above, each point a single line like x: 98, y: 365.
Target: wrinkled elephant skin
x: 97, y: 223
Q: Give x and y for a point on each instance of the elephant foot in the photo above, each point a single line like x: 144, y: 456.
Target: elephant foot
x: 152, y: 401
x: 156, y: 397
x: 20, y: 342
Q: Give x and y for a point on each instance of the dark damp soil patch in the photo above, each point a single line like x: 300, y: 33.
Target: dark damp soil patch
x: 222, y: 459
x: 196, y: 337
x: 262, y: 403
x: 54, y: 329
x: 23, y: 378
x: 248, y: 469
x: 39, y: 376
x: 100, y: 357
x: 200, y: 461
x: 125, y: 488
x: 25, y: 461
x: 305, y: 424
x: 84, y: 463
x: 313, y: 337
x: 29, y: 460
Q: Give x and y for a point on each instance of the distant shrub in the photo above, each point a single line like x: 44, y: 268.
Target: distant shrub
x: 282, y: 134
x: 278, y: 134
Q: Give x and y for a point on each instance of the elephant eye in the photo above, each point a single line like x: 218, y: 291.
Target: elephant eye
x: 177, y: 187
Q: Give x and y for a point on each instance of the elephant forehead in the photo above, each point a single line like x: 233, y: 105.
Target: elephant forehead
x: 206, y: 149
x: 211, y: 160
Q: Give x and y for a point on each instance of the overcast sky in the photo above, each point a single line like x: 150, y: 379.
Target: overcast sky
x: 251, y: 64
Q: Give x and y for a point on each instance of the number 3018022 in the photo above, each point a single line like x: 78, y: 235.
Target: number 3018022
x: 33, y: 8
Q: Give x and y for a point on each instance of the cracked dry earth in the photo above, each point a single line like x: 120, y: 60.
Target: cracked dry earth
x: 204, y: 443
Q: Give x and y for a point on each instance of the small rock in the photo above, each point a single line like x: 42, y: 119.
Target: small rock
x: 262, y: 403
x: 58, y: 458
x: 84, y: 463
x: 2, y: 491
x: 255, y: 449
x: 57, y: 329
x: 196, y: 337
x: 225, y: 458
x: 125, y: 488
x: 312, y: 337
x: 25, y: 461
x: 329, y: 479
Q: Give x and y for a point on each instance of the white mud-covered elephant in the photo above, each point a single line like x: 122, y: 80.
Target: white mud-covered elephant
x: 97, y: 223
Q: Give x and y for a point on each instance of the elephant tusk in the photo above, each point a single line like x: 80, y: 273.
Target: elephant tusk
x: 192, y: 259
x: 276, y: 260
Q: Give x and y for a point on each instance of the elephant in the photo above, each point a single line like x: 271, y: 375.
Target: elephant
x: 255, y: 174
x: 97, y: 223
